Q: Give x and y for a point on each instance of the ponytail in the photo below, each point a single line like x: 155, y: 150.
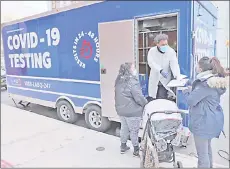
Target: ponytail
x: 216, y: 67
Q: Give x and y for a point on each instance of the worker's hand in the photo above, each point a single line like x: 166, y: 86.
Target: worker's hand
x: 164, y: 74
x: 188, y: 89
x: 189, y: 83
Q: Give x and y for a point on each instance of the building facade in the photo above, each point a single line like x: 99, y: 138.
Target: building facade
x: 223, y: 32
x: 60, y: 4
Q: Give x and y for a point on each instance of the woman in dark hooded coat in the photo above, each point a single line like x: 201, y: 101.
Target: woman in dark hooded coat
x: 129, y: 103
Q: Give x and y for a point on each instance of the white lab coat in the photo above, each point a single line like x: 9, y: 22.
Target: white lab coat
x: 167, y: 62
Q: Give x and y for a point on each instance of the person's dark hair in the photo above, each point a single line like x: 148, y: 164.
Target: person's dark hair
x: 124, y: 74
x: 160, y: 37
x: 213, y: 64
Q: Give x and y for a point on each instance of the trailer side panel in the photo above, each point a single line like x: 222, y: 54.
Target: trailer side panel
x: 65, y: 51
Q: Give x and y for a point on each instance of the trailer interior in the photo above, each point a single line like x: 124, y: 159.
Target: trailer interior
x: 148, y: 28
x: 147, y: 31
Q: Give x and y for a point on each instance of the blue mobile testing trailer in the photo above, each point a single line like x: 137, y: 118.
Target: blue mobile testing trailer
x: 69, y: 58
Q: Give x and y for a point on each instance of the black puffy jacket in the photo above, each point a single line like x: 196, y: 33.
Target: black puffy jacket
x: 129, y: 100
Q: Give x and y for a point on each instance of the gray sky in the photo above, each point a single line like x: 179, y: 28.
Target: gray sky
x: 19, y: 9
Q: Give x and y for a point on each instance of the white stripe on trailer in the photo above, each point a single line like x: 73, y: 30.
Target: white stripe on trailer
x: 56, y: 79
x: 57, y: 93
x: 15, y: 30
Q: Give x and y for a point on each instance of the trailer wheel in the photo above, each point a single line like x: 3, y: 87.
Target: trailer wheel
x: 94, y: 119
x: 66, y: 112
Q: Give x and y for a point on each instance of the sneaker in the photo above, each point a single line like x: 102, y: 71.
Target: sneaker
x: 124, y: 148
x: 136, y: 151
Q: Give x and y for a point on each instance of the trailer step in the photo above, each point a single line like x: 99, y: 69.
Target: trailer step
x: 25, y: 104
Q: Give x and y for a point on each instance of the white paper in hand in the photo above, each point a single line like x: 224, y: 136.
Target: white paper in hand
x: 177, y: 83
x: 182, y: 77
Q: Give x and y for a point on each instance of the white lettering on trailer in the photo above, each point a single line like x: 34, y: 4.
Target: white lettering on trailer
x: 31, y: 40
x: 203, y: 36
x: 30, y: 60
x: 26, y: 40
x: 204, y: 42
x: 97, y: 49
x: 54, y: 34
x: 85, y: 50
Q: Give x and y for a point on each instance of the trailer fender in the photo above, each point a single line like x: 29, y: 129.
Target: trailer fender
x: 76, y: 109
x: 90, y: 103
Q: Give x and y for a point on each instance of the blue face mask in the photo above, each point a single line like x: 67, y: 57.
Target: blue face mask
x: 163, y: 48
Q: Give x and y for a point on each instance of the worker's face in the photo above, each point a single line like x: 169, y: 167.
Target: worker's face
x: 163, y: 45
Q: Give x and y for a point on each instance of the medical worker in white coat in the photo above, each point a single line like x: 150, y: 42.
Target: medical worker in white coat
x: 164, y: 67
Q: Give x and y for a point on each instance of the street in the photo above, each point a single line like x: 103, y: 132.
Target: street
x: 38, y: 141
x: 58, y: 140
x: 49, y: 112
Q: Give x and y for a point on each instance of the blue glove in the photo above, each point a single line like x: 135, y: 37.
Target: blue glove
x: 164, y: 74
x: 189, y: 83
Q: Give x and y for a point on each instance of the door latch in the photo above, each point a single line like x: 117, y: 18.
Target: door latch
x: 103, y: 71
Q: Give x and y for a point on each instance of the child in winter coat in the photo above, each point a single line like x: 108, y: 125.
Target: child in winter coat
x: 206, y: 114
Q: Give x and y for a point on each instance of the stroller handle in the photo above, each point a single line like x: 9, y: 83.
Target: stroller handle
x: 166, y: 112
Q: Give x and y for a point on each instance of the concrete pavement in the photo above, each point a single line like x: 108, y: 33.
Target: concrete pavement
x: 31, y: 140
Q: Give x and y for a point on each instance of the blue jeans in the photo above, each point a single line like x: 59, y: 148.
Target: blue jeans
x: 204, y: 152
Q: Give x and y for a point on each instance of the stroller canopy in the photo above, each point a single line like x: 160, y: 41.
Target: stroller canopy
x: 162, y: 105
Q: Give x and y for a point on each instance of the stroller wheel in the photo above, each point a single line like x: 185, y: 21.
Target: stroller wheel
x: 178, y: 164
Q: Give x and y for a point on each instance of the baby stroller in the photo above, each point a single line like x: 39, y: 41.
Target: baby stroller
x: 162, y: 130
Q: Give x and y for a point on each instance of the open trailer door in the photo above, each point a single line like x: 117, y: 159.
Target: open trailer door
x: 116, y: 47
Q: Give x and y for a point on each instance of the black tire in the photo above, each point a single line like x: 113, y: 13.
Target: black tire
x: 72, y: 116
x: 105, y: 124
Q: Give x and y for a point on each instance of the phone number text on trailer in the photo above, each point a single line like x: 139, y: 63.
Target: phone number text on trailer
x: 38, y: 85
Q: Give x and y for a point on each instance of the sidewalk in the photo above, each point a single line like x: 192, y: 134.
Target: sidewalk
x: 31, y: 140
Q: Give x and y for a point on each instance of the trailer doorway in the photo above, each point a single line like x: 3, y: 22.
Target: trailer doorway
x: 148, y: 28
